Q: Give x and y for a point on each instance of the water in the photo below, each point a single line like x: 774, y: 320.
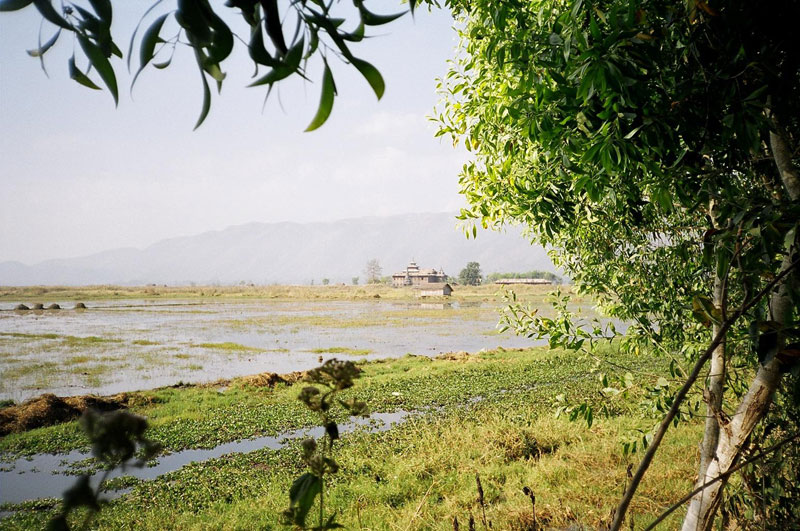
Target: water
x: 42, y: 476
x: 134, y: 345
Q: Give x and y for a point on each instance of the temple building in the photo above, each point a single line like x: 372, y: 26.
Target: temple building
x: 414, y: 276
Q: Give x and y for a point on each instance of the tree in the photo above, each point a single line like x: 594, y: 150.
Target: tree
x: 547, y: 275
x: 373, y: 271
x: 471, y: 274
x: 326, y: 281
x: 654, y: 147
x: 355, y: 281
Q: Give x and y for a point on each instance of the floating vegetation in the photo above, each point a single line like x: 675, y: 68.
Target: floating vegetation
x: 342, y: 350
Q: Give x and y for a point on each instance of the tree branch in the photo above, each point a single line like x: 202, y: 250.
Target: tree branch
x: 622, y: 508
x: 721, y: 477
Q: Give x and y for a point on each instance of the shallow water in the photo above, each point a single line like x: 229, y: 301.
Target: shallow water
x: 42, y: 475
x: 129, y: 345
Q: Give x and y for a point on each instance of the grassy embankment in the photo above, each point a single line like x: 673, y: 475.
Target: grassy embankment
x: 332, y: 292
x: 416, y: 476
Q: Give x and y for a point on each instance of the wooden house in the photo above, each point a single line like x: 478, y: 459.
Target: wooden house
x: 434, y: 289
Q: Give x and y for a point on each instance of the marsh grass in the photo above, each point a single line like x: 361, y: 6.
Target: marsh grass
x: 292, y: 293
x: 83, y: 342
x: 226, y: 346
x: 492, y: 414
x: 342, y: 350
x: 65, y: 340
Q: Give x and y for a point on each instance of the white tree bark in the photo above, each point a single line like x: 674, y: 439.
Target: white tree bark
x: 714, y: 390
x: 734, y: 432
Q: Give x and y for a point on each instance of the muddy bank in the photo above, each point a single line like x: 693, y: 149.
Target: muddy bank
x: 49, y: 409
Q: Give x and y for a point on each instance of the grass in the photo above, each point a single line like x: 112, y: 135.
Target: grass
x: 338, y: 292
x: 342, y: 350
x: 67, y: 341
x: 228, y: 346
x: 29, y: 336
x: 493, y: 416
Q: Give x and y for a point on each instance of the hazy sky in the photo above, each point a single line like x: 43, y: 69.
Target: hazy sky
x: 79, y: 176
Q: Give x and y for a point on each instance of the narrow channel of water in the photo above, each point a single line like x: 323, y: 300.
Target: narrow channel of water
x: 42, y: 475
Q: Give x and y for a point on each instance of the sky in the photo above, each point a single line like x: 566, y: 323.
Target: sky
x: 79, y: 176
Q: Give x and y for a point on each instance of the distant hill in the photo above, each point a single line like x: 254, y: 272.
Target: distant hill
x: 292, y: 253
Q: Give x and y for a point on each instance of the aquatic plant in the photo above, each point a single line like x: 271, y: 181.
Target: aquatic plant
x: 328, y: 380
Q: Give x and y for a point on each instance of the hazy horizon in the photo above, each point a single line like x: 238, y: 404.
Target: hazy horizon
x: 226, y: 228
x: 290, y: 253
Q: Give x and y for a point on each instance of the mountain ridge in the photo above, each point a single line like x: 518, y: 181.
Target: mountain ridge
x: 291, y: 253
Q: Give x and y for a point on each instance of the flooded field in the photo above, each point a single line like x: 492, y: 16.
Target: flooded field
x: 124, y: 345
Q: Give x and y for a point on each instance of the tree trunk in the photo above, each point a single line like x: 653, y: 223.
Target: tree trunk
x: 713, y: 393
x: 734, y: 432
x: 732, y: 437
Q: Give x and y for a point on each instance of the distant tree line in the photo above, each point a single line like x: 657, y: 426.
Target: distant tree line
x: 547, y: 275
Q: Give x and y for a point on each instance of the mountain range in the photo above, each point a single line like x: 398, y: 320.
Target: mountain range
x: 292, y: 253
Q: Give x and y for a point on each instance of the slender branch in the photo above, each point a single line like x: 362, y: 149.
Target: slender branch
x: 721, y: 477
x: 619, y: 516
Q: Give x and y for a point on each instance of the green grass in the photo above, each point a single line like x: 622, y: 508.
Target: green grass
x: 29, y: 336
x: 279, y: 293
x: 490, y: 414
x: 67, y: 341
x: 228, y: 345
x: 342, y: 350
x: 80, y: 342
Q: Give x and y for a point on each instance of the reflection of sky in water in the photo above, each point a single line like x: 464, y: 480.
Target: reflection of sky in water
x: 43, y: 475
x: 282, y: 334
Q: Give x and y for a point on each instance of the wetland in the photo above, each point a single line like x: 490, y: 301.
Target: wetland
x: 124, y: 344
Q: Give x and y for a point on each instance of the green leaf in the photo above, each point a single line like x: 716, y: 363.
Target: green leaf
x: 14, y: 5
x: 302, y: 494
x: 295, y: 54
x: 136, y: 30
x: 149, y: 41
x: 101, y: 64
x: 79, y: 76
x: 190, y: 17
x: 276, y: 74
x: 356, y: 35
x: 326, y: 100
x: 371, y: 74
x: 206, y: 101
x: 258, y: 52
x: 102, y: 8
x: 372, y: 19
x: 704, y: 310
x: 42, y: 49
x: 50, y: 14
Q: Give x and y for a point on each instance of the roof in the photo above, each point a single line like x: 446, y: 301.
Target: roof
x: 424, y: 273
x: 432, y: 286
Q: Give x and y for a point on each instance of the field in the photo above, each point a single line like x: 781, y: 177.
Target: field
x: 438, y: 420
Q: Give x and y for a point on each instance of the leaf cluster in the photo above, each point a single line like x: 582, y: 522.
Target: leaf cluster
x: 116, y: 438
x: 280, y: 38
